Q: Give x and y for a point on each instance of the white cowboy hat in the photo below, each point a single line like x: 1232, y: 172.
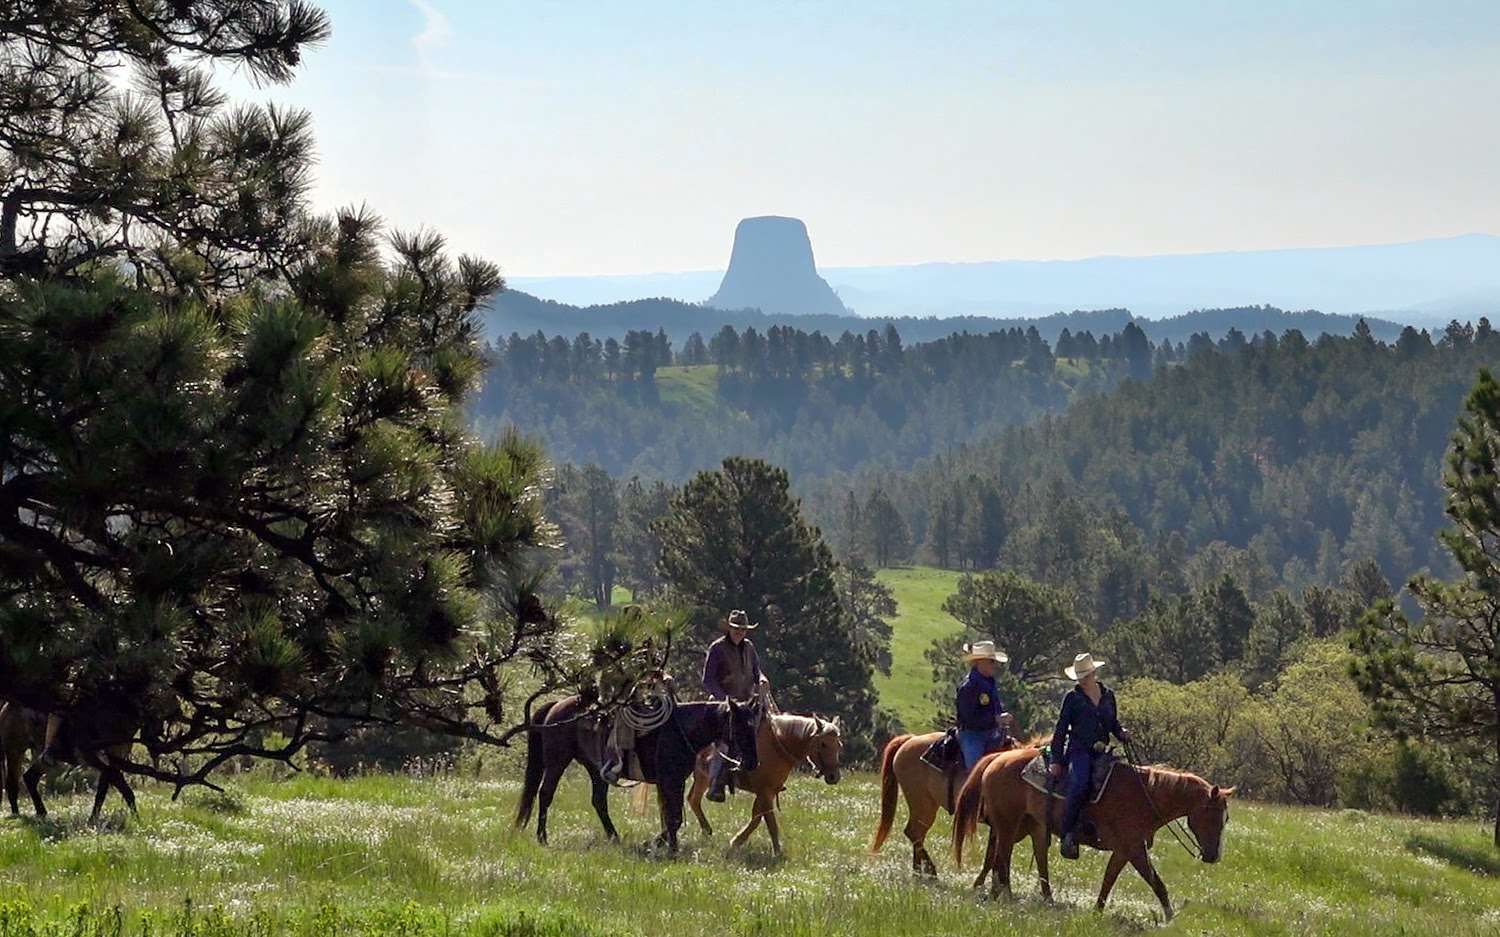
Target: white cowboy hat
x: 983, y: 650
x: 1083, y: 665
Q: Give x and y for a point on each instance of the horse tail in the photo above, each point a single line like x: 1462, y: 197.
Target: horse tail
x: 966, y: 809
x: 887, y: 790
x: 535, y: 765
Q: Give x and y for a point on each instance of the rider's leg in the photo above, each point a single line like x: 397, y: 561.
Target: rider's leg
x: 1080, y: 770
x: 718, y: 775
x: 973, y: 744
x: 46, y: 756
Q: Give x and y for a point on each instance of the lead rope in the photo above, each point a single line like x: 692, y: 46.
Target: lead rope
x: 1195, y: 850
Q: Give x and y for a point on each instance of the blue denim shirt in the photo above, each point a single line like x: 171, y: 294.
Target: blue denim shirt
x: 979, y: 706
x: 1081, y: 725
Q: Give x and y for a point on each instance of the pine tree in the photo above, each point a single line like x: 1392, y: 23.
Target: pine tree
x: 735, y: 539
x: 1032, y: 623
x: 237, y: 496
x: 1440, y: 675
x: 869, y: 603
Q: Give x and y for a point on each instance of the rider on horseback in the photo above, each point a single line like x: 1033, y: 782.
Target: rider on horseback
x: 1089, y: 717
x: 982, y: 719
x: 731, y: 670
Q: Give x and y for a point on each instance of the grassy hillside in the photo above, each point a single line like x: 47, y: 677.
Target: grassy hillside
x: 417, y: 857
x: 920, y: 620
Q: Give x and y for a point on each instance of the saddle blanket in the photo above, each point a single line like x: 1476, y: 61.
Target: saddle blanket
x: 1035, y: 773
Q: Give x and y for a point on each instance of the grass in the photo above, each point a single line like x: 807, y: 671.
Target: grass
x: 919, y: 621
x: 695, y: 386
x: 415, y: 857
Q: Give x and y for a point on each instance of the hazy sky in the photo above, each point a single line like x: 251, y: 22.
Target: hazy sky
x: 629, y: 137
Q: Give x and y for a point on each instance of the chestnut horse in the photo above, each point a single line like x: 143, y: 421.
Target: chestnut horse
x: 926, y: 790
x: 1137, y: 801
x: 783, y: 741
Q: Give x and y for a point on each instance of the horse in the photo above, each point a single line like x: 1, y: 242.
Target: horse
x: 562, y: 732
x: 1136, y: 802
x: 667, y: 755
x: 926, y: 790
x: 783, y: 741
x: 22, y: 730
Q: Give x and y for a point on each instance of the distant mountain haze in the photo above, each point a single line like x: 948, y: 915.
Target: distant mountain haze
x: 1421, y: 282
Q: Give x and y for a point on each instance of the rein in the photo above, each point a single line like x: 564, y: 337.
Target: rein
x: 1196, y: 849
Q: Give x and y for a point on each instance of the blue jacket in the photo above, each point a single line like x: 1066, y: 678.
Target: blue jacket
x: 979, y: 706
x: 1081, y: 725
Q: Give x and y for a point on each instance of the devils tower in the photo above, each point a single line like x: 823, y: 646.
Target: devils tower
x: 772, y: 269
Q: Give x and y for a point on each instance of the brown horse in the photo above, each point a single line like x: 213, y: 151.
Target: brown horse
x: 562, y: 732
x: 21, y: 731
x: 926, y: 789
x: 783, y: 741
x: 1137, y: 801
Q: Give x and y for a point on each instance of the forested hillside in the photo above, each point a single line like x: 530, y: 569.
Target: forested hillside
x: 1311, y: 454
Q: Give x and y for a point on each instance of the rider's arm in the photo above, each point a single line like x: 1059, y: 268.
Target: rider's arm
x: 1060, y: 734
x: 711, y: 671
x: 1114, y: 712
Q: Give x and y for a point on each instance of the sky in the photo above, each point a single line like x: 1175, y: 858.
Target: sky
x: 589, y: 137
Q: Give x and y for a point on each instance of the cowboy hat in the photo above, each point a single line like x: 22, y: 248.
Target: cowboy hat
x: 983, y: 650
x: 738, y: 619
x: 1083, y: 665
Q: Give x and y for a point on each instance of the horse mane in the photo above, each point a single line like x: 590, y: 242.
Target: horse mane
x: 797, y: 726
x: 1172, y: 783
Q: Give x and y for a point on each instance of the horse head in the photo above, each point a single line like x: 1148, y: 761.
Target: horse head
x: 1207, y: 822
x: 827, y: 747
x: 743, y: 723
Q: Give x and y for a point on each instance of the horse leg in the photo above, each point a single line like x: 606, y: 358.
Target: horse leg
x: 13, y: 785
x: 757, y: 811
x: 1142, y: 862
x: 695, y: 798
x: 922, y: 813
x: 600, y: 800
x: 773, y: 826
x: 33, y: 777
x: 1041, y: 841
x: 550, y: 777
x: 672, y: 811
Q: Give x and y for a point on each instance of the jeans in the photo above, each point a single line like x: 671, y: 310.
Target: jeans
x: 1080, y: 773
x: 975, y: 742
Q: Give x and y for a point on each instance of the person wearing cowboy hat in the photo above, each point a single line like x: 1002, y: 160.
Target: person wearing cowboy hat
x: 1089, y: 717
x: 982, y: 719
x: 731, y: 670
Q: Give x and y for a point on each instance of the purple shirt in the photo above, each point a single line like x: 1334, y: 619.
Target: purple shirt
x: 729, y: 671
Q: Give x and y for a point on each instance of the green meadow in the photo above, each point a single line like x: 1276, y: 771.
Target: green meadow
x: 396, y: 855
x: 920, y: 620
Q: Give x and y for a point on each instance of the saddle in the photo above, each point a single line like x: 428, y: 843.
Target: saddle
x: 945, y: 753
x: 1037, y: 775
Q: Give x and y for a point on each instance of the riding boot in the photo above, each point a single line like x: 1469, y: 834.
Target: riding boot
x: 718, y: 776
x: 1070, y: 846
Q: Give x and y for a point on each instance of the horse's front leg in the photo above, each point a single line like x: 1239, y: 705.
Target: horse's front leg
x: 33, y: 777
x: 757, y: 811
x: 695, y: 797
x: 773, y: 826
x: 1142, y: 862
x: 1111, y: 872
x: 671, y: 812
x: 600, y: 799
x: 1041, y: 841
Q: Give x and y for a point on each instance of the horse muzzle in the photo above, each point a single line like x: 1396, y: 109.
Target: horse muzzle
x: 1210, y: 857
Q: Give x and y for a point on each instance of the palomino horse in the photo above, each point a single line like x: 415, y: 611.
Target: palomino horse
x: 926, y: 790
x: 783, y: 741
x: 1137, y: 801
x: 562, y: 732
x: 21, y: 731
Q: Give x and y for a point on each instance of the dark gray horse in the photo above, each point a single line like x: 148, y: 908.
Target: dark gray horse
x: 93, y: 746
x: 564, y: 732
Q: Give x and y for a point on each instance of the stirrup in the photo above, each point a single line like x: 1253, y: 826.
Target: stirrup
x: 1069, y: 846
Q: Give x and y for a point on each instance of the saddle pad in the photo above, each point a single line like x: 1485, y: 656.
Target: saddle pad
x: 1035, y: 773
